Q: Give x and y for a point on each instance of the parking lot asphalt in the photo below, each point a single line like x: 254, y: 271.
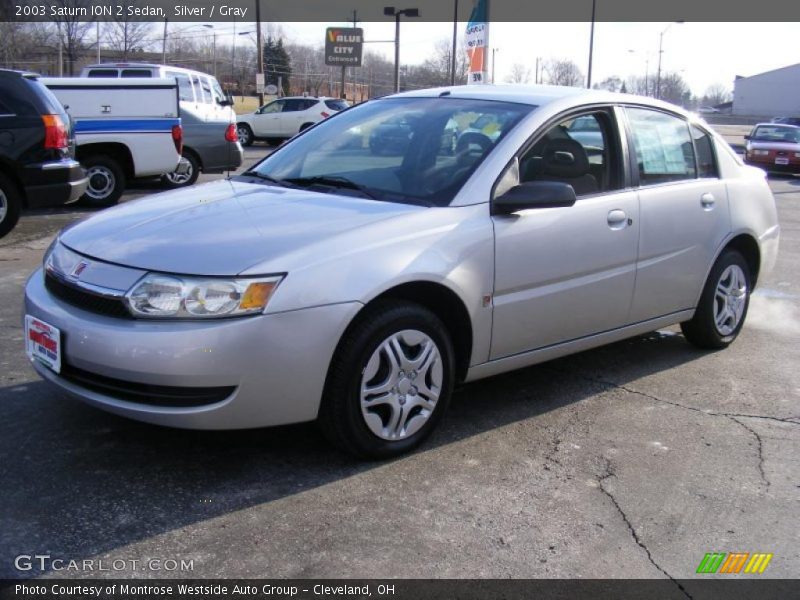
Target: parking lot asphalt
x: 629, y: 461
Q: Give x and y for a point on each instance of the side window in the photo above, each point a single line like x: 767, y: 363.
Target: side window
x: 137, y: 73
x: 294, y: 105
x: 103, y: 73
x: 208, y: 98
x: 184, y: 85
x: 272, y: 107
x: 704, y: 146
x: 581, y: 151
x: 198, y: 91
x: 664, y: 150
x: 309, y: 104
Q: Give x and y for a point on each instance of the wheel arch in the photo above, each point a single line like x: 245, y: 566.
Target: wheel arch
x: 442, y: 301
x: 747, y: 245
x: 119, y: 152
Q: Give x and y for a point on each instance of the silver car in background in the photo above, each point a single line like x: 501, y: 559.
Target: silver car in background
x: 356, y: 289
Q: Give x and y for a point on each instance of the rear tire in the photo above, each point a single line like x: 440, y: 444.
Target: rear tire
x: 245, y: 134
x: 173, y: 180
x: 723, y: 305
x: 106, y: 181
x: 10, y: 205
x: 389, y: 382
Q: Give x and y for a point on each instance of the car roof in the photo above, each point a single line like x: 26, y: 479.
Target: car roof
x: 535, y: 95
x: 773, y: 124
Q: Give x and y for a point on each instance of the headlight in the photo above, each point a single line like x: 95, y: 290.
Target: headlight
x: 797, y: 154
x: 171, y: 297
x: 761, y: 152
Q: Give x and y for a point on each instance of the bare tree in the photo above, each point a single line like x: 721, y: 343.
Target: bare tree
x: 126, y: 34
x: 519, y: 74
x: 72, y: 29
x: 675, y: 89
x: 612, y: 84
x: 716, y: 94
x: 563, y: 72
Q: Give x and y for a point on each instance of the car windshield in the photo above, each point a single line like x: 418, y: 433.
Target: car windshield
x: 412, y: 150
x: 776, y: 133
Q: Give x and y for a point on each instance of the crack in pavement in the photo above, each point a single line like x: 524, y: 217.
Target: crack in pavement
x: 731, y: 416
x: 760, y: 450
x: 608, y: 473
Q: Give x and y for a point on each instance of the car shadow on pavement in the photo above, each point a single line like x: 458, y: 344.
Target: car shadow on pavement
x: 78, y: 482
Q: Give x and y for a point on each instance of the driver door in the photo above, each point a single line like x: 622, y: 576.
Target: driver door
x: 569, y: 272
x: 267, y: 120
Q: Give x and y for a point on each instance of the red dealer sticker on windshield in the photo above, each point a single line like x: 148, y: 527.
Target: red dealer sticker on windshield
x: 43, y: 342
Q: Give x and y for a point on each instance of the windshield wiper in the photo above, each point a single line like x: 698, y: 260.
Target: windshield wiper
x: 336, y: 181
x: 266, y: 177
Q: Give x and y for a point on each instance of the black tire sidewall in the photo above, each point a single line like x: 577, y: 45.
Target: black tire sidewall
x: 365, y: 338
x: 119, y: 181
x: 13, y: 205
x: 250, y: 136
x: 195, y: 173
x: 703, y: 327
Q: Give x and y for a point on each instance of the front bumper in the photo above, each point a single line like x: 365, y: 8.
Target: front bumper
x: 274, y: 365
x: 53, y: 183
x: 771, y: 167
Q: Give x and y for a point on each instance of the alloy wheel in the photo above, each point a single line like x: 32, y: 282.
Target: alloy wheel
x: 730, y: 299
x: 101, y: 182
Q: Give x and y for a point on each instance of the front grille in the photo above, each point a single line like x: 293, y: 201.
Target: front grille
x: 112, y: 307
x: 144, y: 393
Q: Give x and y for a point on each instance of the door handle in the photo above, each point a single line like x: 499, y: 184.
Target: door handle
x: 617, y: 219
x: 707, y: 201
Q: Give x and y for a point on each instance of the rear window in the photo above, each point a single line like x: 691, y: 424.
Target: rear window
x: 137, y: 73
x: 52, y: 106
x: 103, y: 73
x: 336, y: 104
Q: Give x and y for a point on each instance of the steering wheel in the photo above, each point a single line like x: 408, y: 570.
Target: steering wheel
x: 470, y: 138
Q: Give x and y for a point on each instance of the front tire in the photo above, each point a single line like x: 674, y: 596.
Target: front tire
x: 723, y: 305
x: 10, y: 205
x: 106, y: 181
x: 389, y: 382
x: 245, y: 134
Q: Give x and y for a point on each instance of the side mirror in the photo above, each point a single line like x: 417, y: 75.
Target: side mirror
x: 534, y: 194
x: 747, y: 137
x: 225, y: 102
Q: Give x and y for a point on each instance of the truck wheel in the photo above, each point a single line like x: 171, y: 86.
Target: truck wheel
x: 175, y: 180
x: 10, y: 205
x: 245, y: 134
x: 106, y: 181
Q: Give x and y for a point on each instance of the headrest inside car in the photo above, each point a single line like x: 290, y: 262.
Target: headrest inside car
x: 565, y: 158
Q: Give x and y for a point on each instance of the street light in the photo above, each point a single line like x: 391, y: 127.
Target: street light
x: 213, y: 47
x: 660, y: 52
x: 391, y: 11
x: 646, y: 71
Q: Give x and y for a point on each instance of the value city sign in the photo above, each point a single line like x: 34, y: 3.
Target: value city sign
x: 343, y: 46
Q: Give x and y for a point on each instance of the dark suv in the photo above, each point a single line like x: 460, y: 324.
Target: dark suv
x: 37, y: 149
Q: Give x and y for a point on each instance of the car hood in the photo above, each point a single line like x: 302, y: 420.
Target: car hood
x: 221, y: 228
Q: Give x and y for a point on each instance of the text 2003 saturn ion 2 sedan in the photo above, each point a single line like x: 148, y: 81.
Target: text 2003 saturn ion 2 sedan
x: 355, y: 288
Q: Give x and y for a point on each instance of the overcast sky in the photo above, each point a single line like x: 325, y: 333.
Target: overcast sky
x: 704, y: 53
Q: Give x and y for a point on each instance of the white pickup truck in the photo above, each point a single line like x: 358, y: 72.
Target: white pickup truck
x: 124, y: 128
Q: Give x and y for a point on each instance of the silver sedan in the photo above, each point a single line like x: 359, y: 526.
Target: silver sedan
x: 355, y: 288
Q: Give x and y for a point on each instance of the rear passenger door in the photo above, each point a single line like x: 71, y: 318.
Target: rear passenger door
x: 684, y: 210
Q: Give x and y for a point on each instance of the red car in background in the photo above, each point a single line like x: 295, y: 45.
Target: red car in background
x: 774, y: 147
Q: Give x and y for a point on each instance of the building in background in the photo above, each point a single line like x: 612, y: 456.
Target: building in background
x: 770, y: 94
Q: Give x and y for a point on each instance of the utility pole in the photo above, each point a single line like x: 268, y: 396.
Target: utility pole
x: 164, y: 44
x: 591, y: 46
x: 455, y: 37
x: 660, y: 51
x: 260, y: 49
x: 98, y: 42
x: 493, y: 63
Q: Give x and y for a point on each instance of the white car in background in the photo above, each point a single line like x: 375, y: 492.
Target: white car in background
x: 285, y: 117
